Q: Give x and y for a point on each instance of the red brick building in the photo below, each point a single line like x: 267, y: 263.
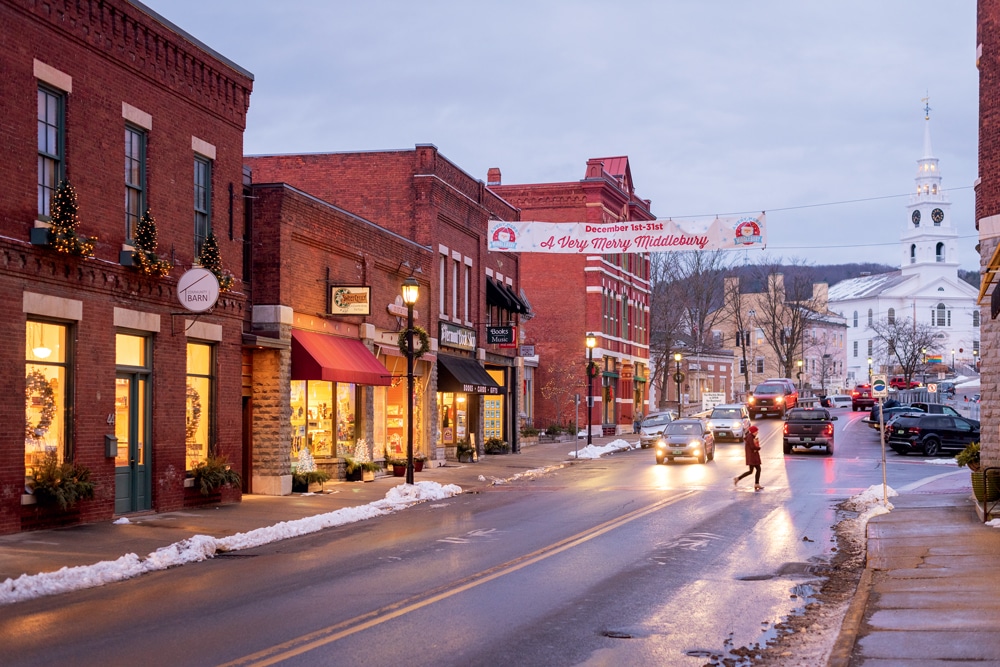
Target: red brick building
x: 433, y: 215
x: 573, y: 295
x: 988, y: 222
x: 135, y: 115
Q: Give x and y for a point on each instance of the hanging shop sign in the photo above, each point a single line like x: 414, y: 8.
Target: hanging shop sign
x: 502, y: 336
x: 350, y: 300
x: 527, y: 350
x: 459, y: 338
x: 198, y: 289
x: 729, y: 233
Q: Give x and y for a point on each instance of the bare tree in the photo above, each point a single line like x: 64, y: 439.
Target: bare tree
x: 737, y: 309
x: 562, y: 381
x: 783, y: 312
x: 905, y: 342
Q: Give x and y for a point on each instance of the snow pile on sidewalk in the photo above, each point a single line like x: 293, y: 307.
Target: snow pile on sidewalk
x: 201, y: 547
x: 596, y: 452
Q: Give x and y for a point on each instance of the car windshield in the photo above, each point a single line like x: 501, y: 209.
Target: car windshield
x: 677, y: 428
x: 656, y: 420
x: 726, y: 413
x: 769, y: 389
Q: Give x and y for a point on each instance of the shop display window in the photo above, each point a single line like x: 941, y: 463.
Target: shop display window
x: 395, y: 418
x: 493, y: 410
x: 346, y: 416
x: 312, y: 418
x: 200, y: 403
x: 45, y: 397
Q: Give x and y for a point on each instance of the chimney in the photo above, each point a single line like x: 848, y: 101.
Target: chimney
x: 493, y: 176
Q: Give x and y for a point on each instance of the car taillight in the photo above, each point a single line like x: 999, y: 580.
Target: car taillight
x: 855, y: 394
x: 913, y: 430
x: 828, y: 429
x: 785, y: 429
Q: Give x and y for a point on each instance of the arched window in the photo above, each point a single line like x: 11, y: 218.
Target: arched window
x: 913, y: 253
x: 975, y: 318
x: 891, y: 316
x: 870, y: 316
x: 939, y: 252
x: 942, y: 314
x: 855, y: 319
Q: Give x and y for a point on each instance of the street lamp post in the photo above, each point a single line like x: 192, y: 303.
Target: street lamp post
x: 869, y: 370
x: 798, y: 364
x: 591, y: 372
x: 678, y: 378
x: 952, y: 360
x: 411, y: 290
x: 975, y: 359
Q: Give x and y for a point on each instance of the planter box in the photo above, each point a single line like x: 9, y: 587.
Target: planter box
x: 986, y: 488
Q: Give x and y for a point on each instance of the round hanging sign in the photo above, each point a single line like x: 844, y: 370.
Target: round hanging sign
x: 198, y: 289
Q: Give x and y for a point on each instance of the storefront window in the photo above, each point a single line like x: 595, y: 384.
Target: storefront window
x: 346, y: 416
x: 200, y: 403
x: 44, y: 393
x: 312, y: 418
x: 493, y: 409
x: 395, y: 417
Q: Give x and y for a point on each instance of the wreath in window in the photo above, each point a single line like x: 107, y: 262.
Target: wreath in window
x: 425, y: 342
x: 192, y: 417
x: 36, y: 385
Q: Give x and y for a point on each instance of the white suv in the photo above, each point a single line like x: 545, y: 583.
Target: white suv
x: 729, y: 421
x: 652, y: 427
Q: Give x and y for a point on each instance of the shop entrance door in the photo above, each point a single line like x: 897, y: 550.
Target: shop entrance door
x: 132, y: 489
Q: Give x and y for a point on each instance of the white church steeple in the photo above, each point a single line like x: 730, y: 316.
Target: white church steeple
x: 929, y: 241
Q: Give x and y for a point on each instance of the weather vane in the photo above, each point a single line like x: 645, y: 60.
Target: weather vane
x: 927, y: 106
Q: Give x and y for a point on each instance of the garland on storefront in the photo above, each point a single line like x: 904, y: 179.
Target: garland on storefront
x: 193, y: 417
x: 35, y: 384
x: 144, y: 256
x: 425, y: 342
x: 211, y: 259
x: 62, y: 233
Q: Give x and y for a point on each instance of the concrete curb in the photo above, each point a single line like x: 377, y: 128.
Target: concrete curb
x: 843, y: 647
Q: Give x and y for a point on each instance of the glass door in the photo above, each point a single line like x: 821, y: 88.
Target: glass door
x: 132, y: 425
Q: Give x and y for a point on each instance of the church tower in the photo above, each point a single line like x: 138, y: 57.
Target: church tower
x: 929, y: 243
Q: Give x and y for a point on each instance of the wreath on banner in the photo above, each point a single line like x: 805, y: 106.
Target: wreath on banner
x: 193, y: 417
x: 592, y: 370
x: 425, y: 342
x: 35, y: 384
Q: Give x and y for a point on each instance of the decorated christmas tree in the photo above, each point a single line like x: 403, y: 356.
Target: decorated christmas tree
x: 62, y: 234
x: 306, y: 461
x: 212, y: 260
x: 144, y: 255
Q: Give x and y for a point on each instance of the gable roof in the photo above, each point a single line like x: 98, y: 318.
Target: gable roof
x: 866, y: 286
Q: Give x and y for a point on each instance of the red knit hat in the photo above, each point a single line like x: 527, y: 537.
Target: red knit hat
x: 753, y: 429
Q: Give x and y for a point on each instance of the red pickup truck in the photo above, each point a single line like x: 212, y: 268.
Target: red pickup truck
x: 899, y: 382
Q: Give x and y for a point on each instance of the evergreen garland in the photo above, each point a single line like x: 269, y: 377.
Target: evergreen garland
x: 212, y: 260
x: 144, y: 255
x: 62, y: 234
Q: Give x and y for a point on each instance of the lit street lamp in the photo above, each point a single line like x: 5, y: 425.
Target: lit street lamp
x: 411, y: 290
x: 678, y: 378
x: 591, y: 372
x: 952, y: 360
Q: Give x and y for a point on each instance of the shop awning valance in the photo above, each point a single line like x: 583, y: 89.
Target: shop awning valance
x: 464, y: 376
x: 497, y: 296
x: 316, y: 356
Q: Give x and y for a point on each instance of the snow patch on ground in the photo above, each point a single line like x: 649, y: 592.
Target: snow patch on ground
x: 596, y: 452
x: 201, y: 547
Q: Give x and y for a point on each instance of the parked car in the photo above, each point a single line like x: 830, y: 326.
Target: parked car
x: 685, y: 438
x: 839, y: 401
x: 861, y: 397
x: 936, y: 408
x: 652, y: 427
x: 773, y: 397
x: 729, y: 421
x: 890, y: 413
x: 899, y: 382
x: 808, y: 427
x: 932, y: 434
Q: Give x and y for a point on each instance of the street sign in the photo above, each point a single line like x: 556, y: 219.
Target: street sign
x: 880, y: 388
x: 931, y: 387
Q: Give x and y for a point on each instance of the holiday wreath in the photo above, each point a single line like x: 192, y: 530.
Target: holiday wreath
x: 425, y: 342
x: 36, y: 385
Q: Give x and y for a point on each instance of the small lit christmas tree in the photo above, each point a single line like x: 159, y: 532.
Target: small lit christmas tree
x: 62, y: 234
x: 144, y: 255
x: 212, y: 260
x: 306, y: 461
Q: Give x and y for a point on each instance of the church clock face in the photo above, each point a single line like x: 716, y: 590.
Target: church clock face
x: 937, y: 215
x: 915, y: 218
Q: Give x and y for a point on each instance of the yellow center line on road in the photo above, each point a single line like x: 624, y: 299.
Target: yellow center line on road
x: 330, y: 634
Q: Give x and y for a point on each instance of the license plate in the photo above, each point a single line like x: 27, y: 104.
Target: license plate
x: 807, y: 439
x: 678, y: 452
x: 724, y: 434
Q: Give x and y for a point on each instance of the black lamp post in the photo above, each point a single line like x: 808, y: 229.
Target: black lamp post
x: 798, y: 364
x: 869, y: 370
x: 924, y: 352
x: 411, y: 290
x: 591, y: 372
x: 678, y: 378
x: 952, y: 360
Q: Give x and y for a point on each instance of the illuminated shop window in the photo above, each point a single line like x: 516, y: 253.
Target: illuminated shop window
x: 45, y: 395
x: 200, y: 412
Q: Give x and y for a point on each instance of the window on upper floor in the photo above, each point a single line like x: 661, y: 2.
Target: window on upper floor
x: 442, y: 283
x: 51, y: 141
x: 891, y: 316
x: 939, y: 252
x: 855, y: 348
x: 913, y: 253
x: 975, y: 318
x: 135, y: 179
x: 871, y: 317
x: 940, y: 315
x: 855, y: 319
x: 202, y: 201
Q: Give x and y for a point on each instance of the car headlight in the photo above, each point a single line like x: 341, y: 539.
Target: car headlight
x: 779, y: 399
x: 661, y: 444
x: 737, y: 426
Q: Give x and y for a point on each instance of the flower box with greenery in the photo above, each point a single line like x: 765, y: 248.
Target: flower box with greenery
x: 210, y: 259
x: 398, y: 466
x: 143, y: 258
x: 60, y: 484
x: 418, y: 462
x: 529, y: 435
x: 360, y: 471
x: 465, y: 452
x: 214, y: 473
x: 310, y: 481
x: 496, y: 446
x: 985, y: 487
x: 61, y: 234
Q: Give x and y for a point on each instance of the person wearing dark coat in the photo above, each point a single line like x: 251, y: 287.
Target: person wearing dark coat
x: 752, y: 447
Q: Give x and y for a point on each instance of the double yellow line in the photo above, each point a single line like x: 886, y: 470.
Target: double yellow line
x: 330, y: 634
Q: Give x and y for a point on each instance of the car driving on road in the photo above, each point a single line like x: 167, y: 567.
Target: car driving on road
x: 773, y: 397
x: 652, y: 427
x: 729, y: 422
x: 808, y: 427
x: 685, y: 438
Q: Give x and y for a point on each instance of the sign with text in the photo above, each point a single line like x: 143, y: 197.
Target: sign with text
x: 502, y: 336
x: 730, y: 233
x: 459, y: 338
x: 350, y: 300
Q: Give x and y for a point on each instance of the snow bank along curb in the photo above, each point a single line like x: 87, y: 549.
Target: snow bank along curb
x: 201, y: 547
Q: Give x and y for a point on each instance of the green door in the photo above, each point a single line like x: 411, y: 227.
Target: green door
x: 131, y: 429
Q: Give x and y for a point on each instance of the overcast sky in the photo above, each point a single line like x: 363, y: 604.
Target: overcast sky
x: 722, y: 106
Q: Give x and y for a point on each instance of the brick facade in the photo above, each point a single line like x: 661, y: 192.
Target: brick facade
x: 114, y: 64
x: 577, y: 294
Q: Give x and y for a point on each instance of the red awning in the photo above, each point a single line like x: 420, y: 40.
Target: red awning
x: 316, y: 356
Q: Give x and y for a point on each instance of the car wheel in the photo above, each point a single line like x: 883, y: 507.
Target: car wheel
x: 711, y: 457
x: 829, y: 449
x: 854, y: 407
x: 932, y: 446
x: 659, y: 460
x: 786, y: 447
x: 702, y: 458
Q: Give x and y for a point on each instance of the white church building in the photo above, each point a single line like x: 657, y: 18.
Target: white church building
x: 925, y: 289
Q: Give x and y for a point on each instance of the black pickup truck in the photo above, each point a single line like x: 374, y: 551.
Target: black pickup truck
x: 808, y: 427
